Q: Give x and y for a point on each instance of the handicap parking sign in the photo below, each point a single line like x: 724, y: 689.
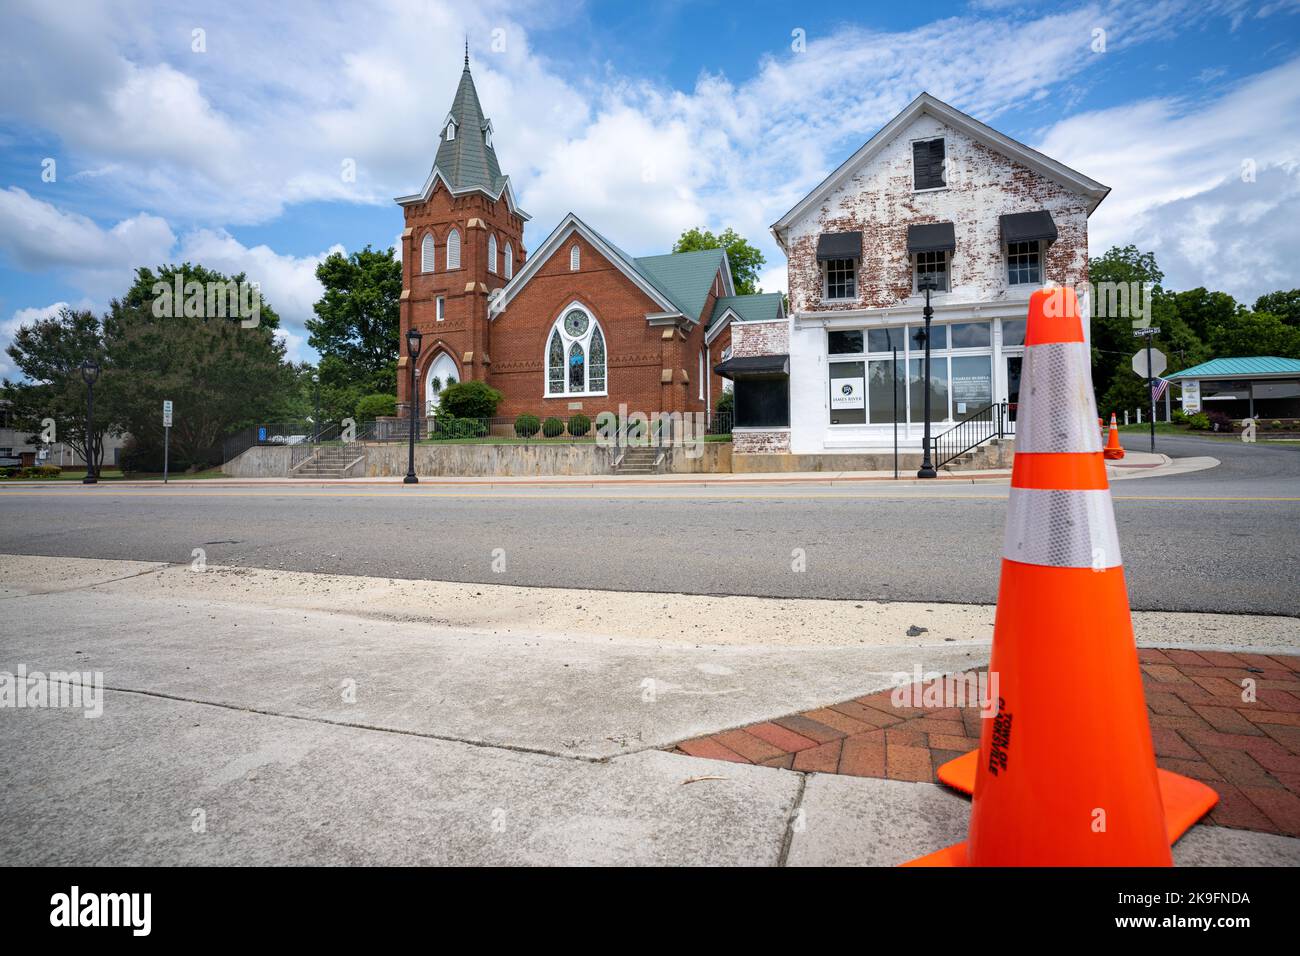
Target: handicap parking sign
x: 261, y: 433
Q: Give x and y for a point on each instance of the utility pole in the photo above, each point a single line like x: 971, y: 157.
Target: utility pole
x: 1149, y: 334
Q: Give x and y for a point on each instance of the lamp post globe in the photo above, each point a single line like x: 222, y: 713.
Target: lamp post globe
x: 89, y: 374
x: 927, y: 466
x: 413, y: 342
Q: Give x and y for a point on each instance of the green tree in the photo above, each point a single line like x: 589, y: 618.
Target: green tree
x: 1203, y: 310
x: 1285, y: 305
x: 373, y: 406
x: 49, y: 353
x: 356, y: 327
x: 220, y: 375
x: 745, y: 260
x: 1112, y: 335
x: 1255, y: 333
x: 473, y: 399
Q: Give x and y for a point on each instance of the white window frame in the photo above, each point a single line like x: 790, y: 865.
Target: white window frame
x: 450, y: 130
x: 428, y: 253
x: 440, y: 307
x: 826, y: 281
x: 567, y: 342
x: 453, y: 247
x: 575, y: 257
x: 1037, y: 252
x: 947, y: 171
x: 703, y: 365
x: 916, y: 272
x: 492, y: 253
x: 510, y: 261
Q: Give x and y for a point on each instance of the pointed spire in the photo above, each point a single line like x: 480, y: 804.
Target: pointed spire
x: 467, y: 51
x: 467, y: 160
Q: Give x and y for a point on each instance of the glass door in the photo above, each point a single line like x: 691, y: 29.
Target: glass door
x: 1013, y: 385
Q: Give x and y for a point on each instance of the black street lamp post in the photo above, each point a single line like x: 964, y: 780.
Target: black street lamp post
x: 89, y: 373
x: 927, y: 467
x: 413, y: 338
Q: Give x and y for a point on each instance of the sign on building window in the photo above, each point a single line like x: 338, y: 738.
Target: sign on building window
x: 848, y: 393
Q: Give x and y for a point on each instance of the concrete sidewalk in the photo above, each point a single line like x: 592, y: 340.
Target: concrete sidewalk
x: 1134, y: 465
x: 354, y: 720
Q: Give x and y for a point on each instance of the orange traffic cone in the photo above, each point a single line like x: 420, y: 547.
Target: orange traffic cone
x: 1066, y: 772
x: 1113, y: 448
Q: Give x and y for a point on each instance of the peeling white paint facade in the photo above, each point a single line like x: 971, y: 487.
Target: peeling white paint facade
x: 987, y: 176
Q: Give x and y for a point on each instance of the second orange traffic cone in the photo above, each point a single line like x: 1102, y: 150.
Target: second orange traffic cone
x: 1065, y: 774
x: 1113, y: 449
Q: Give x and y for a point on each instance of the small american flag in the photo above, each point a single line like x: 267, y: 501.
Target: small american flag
x: 1158, y: 386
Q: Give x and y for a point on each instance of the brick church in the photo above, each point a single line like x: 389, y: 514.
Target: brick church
x: 577, y: 326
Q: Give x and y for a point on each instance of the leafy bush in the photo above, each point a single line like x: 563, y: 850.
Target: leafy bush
x: 726, y: 403
x: 579, y: 425
x: 1199, y: 422
x: 9, y: 471
x: 552, y: 427
x: 449, y: 427
x: 469, y: 400
x: 1179, y: 416
x: 374, y: 406
x: 1275, y: 425
x: 45, y: 471
x: 526, y: 426
x: 1220, y: 422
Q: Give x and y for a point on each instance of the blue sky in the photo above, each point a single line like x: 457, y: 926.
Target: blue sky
x: 645, y: 119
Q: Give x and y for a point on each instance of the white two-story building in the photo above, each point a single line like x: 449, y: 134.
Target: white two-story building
x: 937, y: 196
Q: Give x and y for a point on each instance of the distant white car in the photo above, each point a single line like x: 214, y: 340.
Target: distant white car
x: 286, y: 439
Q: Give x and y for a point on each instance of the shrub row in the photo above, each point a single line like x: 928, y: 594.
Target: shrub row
x: 526, y: 426
x: 35, y: 471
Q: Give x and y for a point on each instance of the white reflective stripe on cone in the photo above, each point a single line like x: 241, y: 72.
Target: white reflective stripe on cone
x: 1061, y: 529
x: 1056, y: 411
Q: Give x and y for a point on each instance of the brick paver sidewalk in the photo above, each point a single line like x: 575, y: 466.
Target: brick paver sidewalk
x: 1249, y: 752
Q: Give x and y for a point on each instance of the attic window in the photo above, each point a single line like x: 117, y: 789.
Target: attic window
x: 928, y: 164
x: 487, y: 136
x: 451, y: 131
x: 575, y: 258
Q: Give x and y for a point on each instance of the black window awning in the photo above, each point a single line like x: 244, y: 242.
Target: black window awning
x: 754, y: 366
x: 839, y: 245
x: 1028, y: 226
x: 931, y: 237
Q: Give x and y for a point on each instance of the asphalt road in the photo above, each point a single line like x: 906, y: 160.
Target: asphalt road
x: 1227, y: 539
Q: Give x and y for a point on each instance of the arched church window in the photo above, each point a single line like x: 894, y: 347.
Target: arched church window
x: 510, y: 261
x: 453, y: 250
x: 427, y: 262
x: 575, y: 355
x: 492, y: 254
x: 575, y: 258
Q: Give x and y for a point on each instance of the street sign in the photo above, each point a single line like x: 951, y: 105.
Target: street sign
x: 167, y: 413
x: 1192, y: 396
x: 1158, y: 362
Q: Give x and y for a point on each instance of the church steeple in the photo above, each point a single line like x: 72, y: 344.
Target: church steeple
x: 465, y: 154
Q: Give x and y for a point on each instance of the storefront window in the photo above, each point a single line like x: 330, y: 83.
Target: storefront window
x: 938, y: 389
x: 1013, y: 332
x: 971, y: 335
x: 972, y: 384
x: 885, y: 340
x: 881, y: 376
x: 848, y: 399
x: 848, y: 342
x: 938, y: 337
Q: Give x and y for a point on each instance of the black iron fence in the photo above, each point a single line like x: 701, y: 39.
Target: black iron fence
x: 975, y: 429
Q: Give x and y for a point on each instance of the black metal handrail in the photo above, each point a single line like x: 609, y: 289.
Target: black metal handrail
x: 975, y: 429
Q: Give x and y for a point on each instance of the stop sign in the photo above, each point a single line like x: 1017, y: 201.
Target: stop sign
x: 1158, y: 362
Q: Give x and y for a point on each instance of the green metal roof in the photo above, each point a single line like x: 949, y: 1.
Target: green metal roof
x: 684, y: 277
x: 467, y: 161
x: 1241, y: 367
x: 762, y: 307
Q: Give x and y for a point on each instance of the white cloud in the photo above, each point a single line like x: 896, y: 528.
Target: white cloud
x: 37, y: 236
x: 1176, y: 170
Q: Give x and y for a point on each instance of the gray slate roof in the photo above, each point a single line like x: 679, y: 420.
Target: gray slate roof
x: 468, y: 162
x: 760, y: 307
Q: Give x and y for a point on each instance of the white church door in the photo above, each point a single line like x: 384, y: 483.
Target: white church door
x: 442, y: 372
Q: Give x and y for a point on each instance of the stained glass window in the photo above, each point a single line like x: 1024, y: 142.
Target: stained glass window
x: 596, y: 373
x: 577, y: 368
x: 556, y: 363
